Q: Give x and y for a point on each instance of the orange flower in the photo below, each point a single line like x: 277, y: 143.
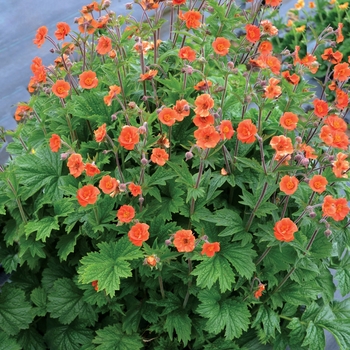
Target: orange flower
x: 202, y: 122
x: 246, y: 131
x: 308, y: 151
x: 178, y: 2
x: 289, y: 184
x: 87, y: 24
x: 226, y: 130
x: 272, y: 90
x: 335, y: 208
x: 332, y: 86
x: 336, y: 123
x: 333, y: 57
x: 296, y: 55
x: 151, y: 260
x: 167, y: 116
x: 221, y: 46
x: 203, y: 85
x: 113, y: 91
x: 32, y: 85
x: 125, y: 213
x: 87, y: 195
x: 184, y: 241
x: 75, y: 165
x: 108, y: 184
x: 259, y: 291
x: 312, y: 5
x: 149, y: 75
x: 253, y: 33
x: 282, y: 145
x: 69, y: 48
x: 207, y: 137
x: 138, y: 234
x: 273, y: 3
x: 341, y: 71
x: 340, y: 166
x: 339, y: 34
x: 268, y: 28
x: 265, y: 47
x: 341, y: 99
x: 182, y: 109
x: 104, y: 45
x: 284, y: 230
x: 22, y: 111
x: 135, y: 189
x: 129, y: 137
x: 55, y: 143
x: 209, y: 249
x: 100, y: 133
x: 289, y: 120
x: 292, y: 79
x: 192, y: 19
x: 88, y: 80
x: 320, y: 108
x: 91, y: 169
x: 95, y: 285
x: 273, y: 63
x: 38, y: 70
x: 318, y: 183
x: 159, y: 156
x: 186, y: 53
x: 63, y: 29
x: 40, y: 36
x: 61, y: 88
x: 203, y: 104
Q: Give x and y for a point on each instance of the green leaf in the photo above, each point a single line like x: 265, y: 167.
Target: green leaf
x: 181, y: 323
x: 159, y: 177
x: 39, y: 299
x: 183, y: 174
x: 231, y: 315
x: 112, y: 337
x: 30, y: 339
x: 109, y: 265
x: 43, y: 227
x: 7, y: 343
x: 15, y: 311
x: 212, y: 269
x: 314, y: 338
x: 341, y: 309
x: 35, y: 248
x: 340, y: 329
x: 68, y: 337
x: 65, y: 302
x: 343, y: 277
x: 66, y: 244
x: 269, y: 320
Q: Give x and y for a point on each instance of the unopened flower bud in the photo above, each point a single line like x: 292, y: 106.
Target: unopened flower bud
x: 210, y: 9
x: 128, y: 6
x: 52, y: 50
x: 188, y: 155
x: 205, y: 238
x: 331, y: 158
x: 216, y: 115
x: 76, y: 19
x: 298, y: 139
x: 304, y: 162
x: 64, y: 156
x: 151, y: 260
x: 142, y: 130
x: 106, y: 4
x: 188, y: 70
x: 113, y: 117
x: 298, y: 157
x: 186, y: 108
x: 248, y: 99
x: 132, y: 105
x: 327, y: 233
x: 144, y: 161
x: 122, y: 187
x: 312, y: 214
x: 141, y: 199
x: 230, y: 65
x: 235, y: 71
x: 144, y: 98
x: 168, y: 242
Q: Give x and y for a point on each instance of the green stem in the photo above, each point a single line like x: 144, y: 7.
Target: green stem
x: 189, y: 284
x: 96, y: 215
x: 160, y: 280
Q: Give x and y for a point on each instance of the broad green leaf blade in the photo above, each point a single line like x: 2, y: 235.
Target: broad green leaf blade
x: 343, y: 277
x: 43, y: 227
x: 39, y: 298
x: 66, y: 244
x: 340, y: 329
x: 7, y: 343
x: 30, y: 339
x: 269, y: 321
x: 159, y: 177
x: 181, y: 323
x: 66, y: 303
x: 112, y: 337
x: 15, y: 311
x: 68, y: 337
x: 314, y: 338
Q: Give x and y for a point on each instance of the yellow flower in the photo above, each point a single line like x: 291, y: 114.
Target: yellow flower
x: 344, y: 6
x: 32, y: 151
x: 300, y: 29
x: 300, y: 4
x: 289, y: 23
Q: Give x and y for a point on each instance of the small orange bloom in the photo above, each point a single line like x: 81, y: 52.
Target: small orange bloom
x: 289, y: 120
x: 75, y: 164
x: 312, y: 5
x: 341, y: 166
x: 138, y: 234
x: 108, y: 184
x: 55, y: 143
x: 159, y: 156
x: 167, y: 116
x: 95, y: 285
x: 202, y: 122
x: 321, y: 108
x: 268, y: 28
x: 292, y: 79
x: 265, y: 47
x: 135, y: 189
x: 336, y: 123
x: 91, y: 169
x: 273, y: 3
x: 339, y: 34
x: 88, y: 80
x: 182, y: 109
x: 186, y: 53
x: 337, y: 209
x: 332, y: 86
x: 318, y: 183
x: 221, y: 46
x: 87, y: 195
x: 125, y: 213
x: 203, y: 85
x: 151, y: 260
x: 273, y: 90
x: 308, y: 151
x: 40, y: 36
x: 207, y: 137
x: 129, y: 137
x: 113, y: 91
x: 22, y: 111
x: 341, y: 99
x: 273, y: 63
x: 296, y: 55
x: 100, y: 133
x: 259, y: 291
x: 334, y: 138
x: 289, y: 184
x: 62, y: 31
x: 149, y: 75
x: 333, y: 57
x: 341, y: 71
x: 32, y: 85
x: 253, y: 33
x: 87, y: 24
x: 246, y: 131
x: 38, y: 70
x: 203, y: 104
x: 209, y: 249
x: 284, y: 230
x: 192, y: 19
x: 226, y: 130
x: 282, y: 145
x: 184, y: 241
x: 61, y: 88
x: 178, y: 2
x: 104, y: 45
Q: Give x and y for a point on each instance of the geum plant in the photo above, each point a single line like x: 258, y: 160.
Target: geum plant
x: 180, y: 189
